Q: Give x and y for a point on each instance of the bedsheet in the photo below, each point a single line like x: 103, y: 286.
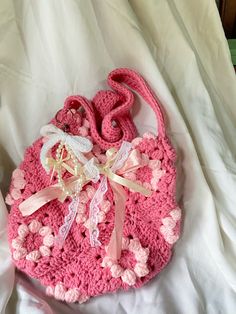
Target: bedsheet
x: 51, y: 49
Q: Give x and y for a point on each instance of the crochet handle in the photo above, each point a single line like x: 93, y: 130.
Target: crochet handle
x: 117, y: 109
x: 138, y: 84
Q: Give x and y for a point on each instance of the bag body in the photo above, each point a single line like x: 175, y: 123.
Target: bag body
x: 118, y: 229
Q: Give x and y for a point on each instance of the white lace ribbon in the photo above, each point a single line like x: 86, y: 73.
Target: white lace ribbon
x: 77, y: 144
x: 68, y: 221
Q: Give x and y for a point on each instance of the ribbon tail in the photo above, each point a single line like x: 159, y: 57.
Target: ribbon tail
x: 68, y: 221
x: 115, y: 245
x: 94, y: 210
x: 34, y: 202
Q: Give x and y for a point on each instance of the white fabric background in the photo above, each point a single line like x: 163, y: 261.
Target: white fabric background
x: 51, y: 49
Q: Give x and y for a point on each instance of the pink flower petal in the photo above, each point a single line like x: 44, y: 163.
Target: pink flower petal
x: 80, y: 218
x: 83, y: 298
x: 59, y: 292
x: 72, y: 295
x: 83, y: 131
x: 44, y: 250
x: 18, y: 173
x: 45, y: 230
x: 17, y: 243
x: 145, y: 159
x: 154, y: 164
x: 105, y: 206
x: 168, y: 222
x: 86, y: 224
x: 171, y: 239
x: 141, y: 269
x: 23, y: 230
x: 134, y: 245
x: 35, y: 226
x: 33, y: 256
x: 50, y: 291
x: 158, y: 173
x: 176, y: 214
x: 129, y: 277
x: 116, y: 271
x: 142, y: 255
x: 9, y: 200
x: 101, y: 216
x: 90, y: 191
x: 125, y: 243
x: 107, y: 262
x: 168, y: 235
x: 19, y: 253
x: 83, y: 196
x: 164, y: 231
x: 16, y: 194
x: 48, y: 240
x: 147, y: 185
x: 81, y: 208
x: 86, y: 123
x: 19, y: 183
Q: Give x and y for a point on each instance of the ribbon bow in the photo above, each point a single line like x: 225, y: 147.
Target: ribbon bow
x: 117, y: 163
x: 77, y: 144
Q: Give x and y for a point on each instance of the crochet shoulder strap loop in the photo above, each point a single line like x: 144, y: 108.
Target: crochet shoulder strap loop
x: 138, y: 84
x: 109, y: 107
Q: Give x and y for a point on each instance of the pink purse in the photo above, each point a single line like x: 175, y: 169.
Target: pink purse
x: 93, y: 207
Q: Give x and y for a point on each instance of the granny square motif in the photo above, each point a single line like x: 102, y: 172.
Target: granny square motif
x: 93, y: 207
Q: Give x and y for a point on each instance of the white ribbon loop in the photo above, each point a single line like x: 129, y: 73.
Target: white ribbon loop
x: 91, y: 171
x: 77, y: 144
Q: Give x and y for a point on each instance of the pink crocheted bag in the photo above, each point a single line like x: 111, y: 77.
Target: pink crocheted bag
x: 93, y: 207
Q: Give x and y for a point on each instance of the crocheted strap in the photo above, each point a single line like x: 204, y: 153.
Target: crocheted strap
x: 133, y: 80
x: 120, y: 112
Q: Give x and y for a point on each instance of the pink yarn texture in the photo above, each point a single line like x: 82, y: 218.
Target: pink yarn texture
x: 77, y: 271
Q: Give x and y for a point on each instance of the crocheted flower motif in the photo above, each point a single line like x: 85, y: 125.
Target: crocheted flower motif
x: 148, y: 165
x: 85, y: 197
x: 35, y: 227
x: 60, y: 292
x: 18, y: 183
x: 129, y: 276
x: 168, y: 226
